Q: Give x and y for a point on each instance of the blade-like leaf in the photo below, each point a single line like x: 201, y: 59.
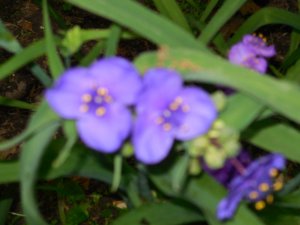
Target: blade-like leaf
x: 31, y: 156
x: 275, y: 136
x: 7, y: 40
x: 266, y: 16
x: 142, y: 21
x: 55, y: 64
x: 198, y: 66
x: 160, y: 214
x: 226, y: 11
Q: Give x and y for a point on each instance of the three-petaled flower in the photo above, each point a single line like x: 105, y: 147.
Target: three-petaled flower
x: 97, y: 98
x: 166, y: 111
x: 256, y: 184
x: 251, y: 53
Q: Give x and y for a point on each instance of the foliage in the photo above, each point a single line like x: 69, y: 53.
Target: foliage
x: 176, y: 189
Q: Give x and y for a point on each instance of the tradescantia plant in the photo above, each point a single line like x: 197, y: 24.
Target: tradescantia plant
x: 199, y: 130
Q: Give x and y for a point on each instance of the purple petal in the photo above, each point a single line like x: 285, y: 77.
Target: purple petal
x: 119, y: 76
x: 105, y: 134
x: 151, y: 143
x: 240, y: 53
x: 160, y: 88
x: 258, y: 64
x: 201, y: 112
x: 259, y: 46
x: 65, y: 96
x: 228, y: 205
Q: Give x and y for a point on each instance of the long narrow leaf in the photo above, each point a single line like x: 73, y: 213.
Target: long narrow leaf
x: 31, y: 156
x: 226, y: 11
x: 55, y: 64
x: 275, y: 136
x: 267, y: 16
x: 160, y: 214
x: 197, y: 66
x: 142, y: 21
x: 172, y: 10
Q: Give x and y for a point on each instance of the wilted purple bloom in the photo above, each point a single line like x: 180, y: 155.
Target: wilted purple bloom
x: 231, y: 169
x: 256, y: 184
x: 96, y: 97
x: 251, y: 53
x: 166, y: 111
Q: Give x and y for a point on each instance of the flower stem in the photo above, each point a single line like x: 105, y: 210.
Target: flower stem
x: 117, y: 173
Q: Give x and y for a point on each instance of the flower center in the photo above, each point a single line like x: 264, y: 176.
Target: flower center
x: 172, y: 116
x: 96, y: 101
x: 261, y: 194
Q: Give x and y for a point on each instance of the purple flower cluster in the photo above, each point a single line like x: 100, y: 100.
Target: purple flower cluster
x: 98, y: 97
x: 252, y: 52
x: 166, y: 111
x: 255, y: 184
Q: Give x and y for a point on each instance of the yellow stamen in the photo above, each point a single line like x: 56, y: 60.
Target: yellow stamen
x: 102, y: 91
x: 270, y: 199
x: 278, y: 185
x: 174, y: 106
x: 159, y: 120
x: 84, y: 108
x: 86, y: 98
x: 273, y: 172
x: 108, y: 99
x: 260, y: 205
x: 100, y: 111
x: 178, y: 100
x: 185, y: 108
x: 264, y: 187
x: 253, y: 195
x: 167, y: 126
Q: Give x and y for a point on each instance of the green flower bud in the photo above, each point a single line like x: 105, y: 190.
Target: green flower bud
x: 194, y: 167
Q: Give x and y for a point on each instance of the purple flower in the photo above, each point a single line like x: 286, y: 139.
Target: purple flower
x: 231, y: 169
x: 256, y: 184
x: 96, y: 97
x: 251, y: 53
x: 167, y: 111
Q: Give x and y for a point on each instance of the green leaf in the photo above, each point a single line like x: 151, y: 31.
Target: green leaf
x: 168, y: 213
x: 16, y: 103
x: 93, y: 53
x: 31, y: 155
x: 7, y: 40
x: 240, y: 111
x: 203, y: 192
x: 113, y: 40
x: 294, y: 73
x: 71, y: 136
x: 55, y: 64
x: 291, y: 200
x: 142, y: 21
x: 9, y: 172
x: 32, y: 52
x: 226, y: 11
x: 171, y: 9
x: 201, y: 67
x: 275, y: 136
x: 5, y: 205
x: 266, y: 16
x: 209, y: 8
x: 280, y: 216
